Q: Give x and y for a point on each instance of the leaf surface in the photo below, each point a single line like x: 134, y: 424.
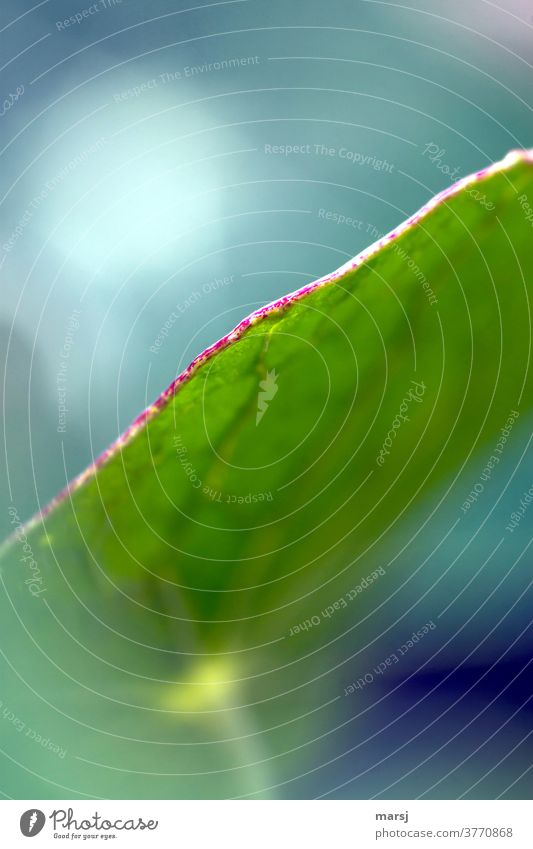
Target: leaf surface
x: 152, y: 629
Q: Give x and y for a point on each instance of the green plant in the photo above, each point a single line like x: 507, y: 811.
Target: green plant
x: 155, y: 617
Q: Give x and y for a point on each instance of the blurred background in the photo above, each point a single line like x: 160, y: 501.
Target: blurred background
x: 166, y: 168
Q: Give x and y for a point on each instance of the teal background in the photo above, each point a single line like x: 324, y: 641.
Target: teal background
x: 181, y: 192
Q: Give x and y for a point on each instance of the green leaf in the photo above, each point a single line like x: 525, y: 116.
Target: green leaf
x: 152, y: 630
